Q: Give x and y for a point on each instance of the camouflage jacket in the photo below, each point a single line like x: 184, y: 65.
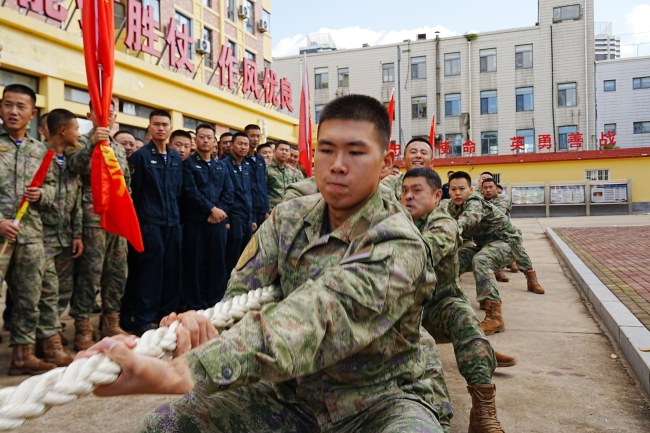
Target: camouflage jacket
x: 483, y: 222
x: 394, y: 183
x: 62, y: 216
x: 346, y: 332
x: 18, y: 164
x: 440, y: 232
x: 80, y: 160
x: 278, y: 179
x: 301, y: 188
x: 502, y: 202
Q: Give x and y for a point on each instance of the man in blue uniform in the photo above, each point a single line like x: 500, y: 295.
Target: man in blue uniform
x: 260, y: 191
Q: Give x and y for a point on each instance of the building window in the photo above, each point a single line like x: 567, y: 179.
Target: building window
x: 266, y: 16
x: 564, y: 132
x: 317, y: 110
x: 184, y: 25
x: 419, y: 107
x: 249, y: 21
x: 418, y: 67
x: 529, y: 139
x: 488, y: 60
x: 138, y: 133
x: 489, y: 102
x: 230, y: 9
x: 610, y: 127
x: 232, y: 46
x: 74, y: 94
x: 267, y: 64
x: 641, y: 83
x: 452, y: 105
x: 565, y: 13
x: 191, y: 122
x: 597, y: 174
x: 207, y: 57
x: 452, y: 64
x: 10, y: 77
x: 321, y: 78
x: 524, y: 97
x: 566, y: 95
x: 388, y: 72
x: 489, y: 143
x: 609, y: 85
x: 155, y: 7
x: 524, y: 56
x: 207, y: 3
x: 119, y: 15
x: 250, y: 56
x: 135, y: 109
x: 344, y: 77
x: 455, y: 144
x: 642, y: 127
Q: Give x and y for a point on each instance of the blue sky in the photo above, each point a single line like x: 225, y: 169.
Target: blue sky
x: 354, y: 22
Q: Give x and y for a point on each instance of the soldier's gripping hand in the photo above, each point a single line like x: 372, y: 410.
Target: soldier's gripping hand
x: 32, y: 194
x: 8, y: 230
x: 195, y: 331
x: 101, y: 134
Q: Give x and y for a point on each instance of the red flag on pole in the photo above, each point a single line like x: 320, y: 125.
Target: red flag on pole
x: 304, y: 124
x: 391, y: 111
x: 111, y: 197
x: 432, y: 132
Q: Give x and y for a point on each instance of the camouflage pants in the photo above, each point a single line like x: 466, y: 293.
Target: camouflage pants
x: 35, y: 313
x: 434, y: 372
x: 257, y: 408
x: 523, y: 261
x: 61, y: 277
x: 101, y: 268
x: 452, y: 318
x: 484, y: 260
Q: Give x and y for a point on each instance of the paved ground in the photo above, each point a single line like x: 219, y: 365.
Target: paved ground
x: 569, y: 379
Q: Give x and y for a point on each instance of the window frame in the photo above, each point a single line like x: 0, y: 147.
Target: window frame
x: 523, y: 98
x: 565, y: 13
x: 606, y: 89
x: 520, y: 53
x: 418, y: 67
x: 419, y: 107
x: 450, y: 100
x: 488, y: 60
x: 345, y: 81
x: 639, y: 83
x: 641, y: 127
x: 528, y: 147
x: 390, y: 68
x: 563, y: 136
x: 564, y: 101
x: 452, y: 62
x: 488, y: 96
x: 319, y: 74
x: 487, y: 144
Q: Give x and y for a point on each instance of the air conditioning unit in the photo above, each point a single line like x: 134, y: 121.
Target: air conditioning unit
x: 243, y: 12
x: 202, y: 46
x: 263, y: 26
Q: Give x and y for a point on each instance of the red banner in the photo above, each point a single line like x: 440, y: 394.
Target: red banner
x: 304, y: 125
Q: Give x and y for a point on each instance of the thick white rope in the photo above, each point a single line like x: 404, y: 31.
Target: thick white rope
x: 60, y: 386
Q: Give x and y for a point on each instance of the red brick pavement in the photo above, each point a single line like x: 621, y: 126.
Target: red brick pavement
x: 620, y: 257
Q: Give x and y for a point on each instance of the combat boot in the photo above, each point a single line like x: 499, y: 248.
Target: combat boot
x: 493, y: 322
x: 83, y: 334
x: 504, y: 360
x: 513, y: 267
x: 483, y: 415
x: 500, y: 275
x: 533, y: 285
x: 23, y: 361
x: 51, y: 350
x: 111, y: 324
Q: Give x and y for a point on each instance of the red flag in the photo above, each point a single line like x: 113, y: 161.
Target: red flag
x: 111, y: 197
x: 432, y: 133
x: 391, y: 111
x: 304, y: 124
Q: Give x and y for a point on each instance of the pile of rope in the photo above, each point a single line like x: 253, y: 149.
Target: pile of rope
x: 60, y: 386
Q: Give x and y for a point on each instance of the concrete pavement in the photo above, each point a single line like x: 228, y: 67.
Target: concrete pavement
x: 570, y: 377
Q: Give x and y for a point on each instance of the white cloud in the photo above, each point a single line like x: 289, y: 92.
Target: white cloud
x: 355, y: 37
x: 637, y: 24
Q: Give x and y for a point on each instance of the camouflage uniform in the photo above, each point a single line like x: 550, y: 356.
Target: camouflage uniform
x: 340, y: 352
x: 497, y: 241
x: 62, y: 221
x: 502, y: 202
x: 448, y: 316
x: 278, y: 179
x: 301, y: 189
x: 102, y: 266
x: 394, y: 183
x: 23, y: 264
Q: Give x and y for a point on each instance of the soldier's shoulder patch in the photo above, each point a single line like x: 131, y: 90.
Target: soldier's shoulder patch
x: 249, y: 252
x: 362, y: 254
x: 3, y: 148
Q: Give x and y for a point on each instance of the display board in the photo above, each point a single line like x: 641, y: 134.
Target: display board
x: 609, y: 193
x: 528, y: 195
x: 567, y: 194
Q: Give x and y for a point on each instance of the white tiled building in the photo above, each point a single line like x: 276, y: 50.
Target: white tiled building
x: 623, y: 100
x: 527, y: 82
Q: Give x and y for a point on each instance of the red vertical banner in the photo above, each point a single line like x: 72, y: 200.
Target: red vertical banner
x: 111, y: 197
x: 391, y: 112
x: 305, y: 125
x: 432, y: 135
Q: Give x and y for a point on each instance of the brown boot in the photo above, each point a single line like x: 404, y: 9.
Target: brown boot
x: 493, y: 322
x: 504, y: 360
x: 83, y: 334
x: 533, y: 285
x: 111, y: 325
x: 483, y: 415
x: 23, y: 361
x: 52, y: 351
x: 501, y: 276
x: 513, y: 267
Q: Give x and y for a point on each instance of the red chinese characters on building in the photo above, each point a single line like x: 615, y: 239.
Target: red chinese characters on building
x: 517, y: 144
x: 544, y: 142
x: 444, y: 148
x: 607, y: 139
x: 179, y: 46
x: 575, y: 140
x: 250, y: 79
x: 270, y: 84
x: 53, y: 9
x: 285, y: 94
x: 469, y: 147
x: 228, y: 66
x: 140, y: 23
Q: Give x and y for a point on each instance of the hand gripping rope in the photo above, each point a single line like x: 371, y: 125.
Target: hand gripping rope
x: 62, y: 385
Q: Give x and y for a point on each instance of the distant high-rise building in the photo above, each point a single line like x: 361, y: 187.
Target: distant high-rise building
x: 608, y: 46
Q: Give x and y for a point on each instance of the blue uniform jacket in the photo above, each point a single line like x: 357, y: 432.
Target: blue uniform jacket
x: 204, y: 187
x: 260, y: 191
x: 242, y: 206
x: 156, y: 185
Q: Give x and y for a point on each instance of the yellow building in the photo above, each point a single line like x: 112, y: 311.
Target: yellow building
x: 186, y: 56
